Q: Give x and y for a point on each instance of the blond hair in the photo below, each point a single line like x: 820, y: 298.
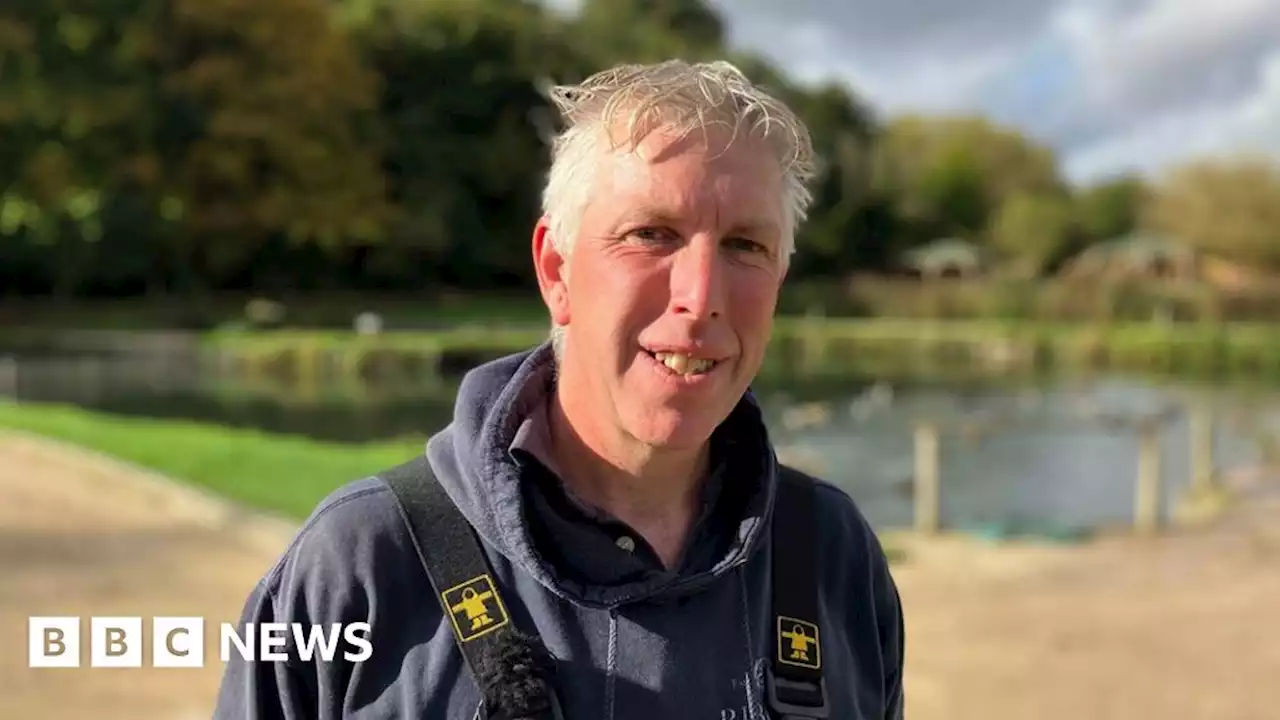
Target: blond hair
x: 680, y: 97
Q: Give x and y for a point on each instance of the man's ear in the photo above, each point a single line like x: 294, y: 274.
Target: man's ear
x: 552, y: 270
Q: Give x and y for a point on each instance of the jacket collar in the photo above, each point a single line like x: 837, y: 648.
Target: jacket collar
x: 489, y: 462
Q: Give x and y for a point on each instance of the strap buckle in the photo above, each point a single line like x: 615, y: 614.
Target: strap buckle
x: 796, y: 699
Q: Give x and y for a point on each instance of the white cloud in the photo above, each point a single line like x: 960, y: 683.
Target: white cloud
x: 1168, y: 80
x: 1249, y: 124
x: 870, y: 29
x: 1111, y: 84
x: 1168, y: 53
x: 811, y: 51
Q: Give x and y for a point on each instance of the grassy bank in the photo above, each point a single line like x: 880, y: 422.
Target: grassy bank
x: 1177, y: 348
x: 804, y: 347
x: 281, y: 474
x: 311, y: 358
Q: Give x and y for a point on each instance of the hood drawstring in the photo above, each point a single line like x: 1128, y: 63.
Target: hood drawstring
x: 754, y: 711
x: 609, y: 667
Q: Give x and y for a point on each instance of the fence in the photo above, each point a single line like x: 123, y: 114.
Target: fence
x: 1148, y: 482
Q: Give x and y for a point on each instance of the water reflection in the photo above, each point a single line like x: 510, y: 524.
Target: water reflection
x: 1055, y: 458
x: 1050, y: 456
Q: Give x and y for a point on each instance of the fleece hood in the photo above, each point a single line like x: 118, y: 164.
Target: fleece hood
x: 472, y: 459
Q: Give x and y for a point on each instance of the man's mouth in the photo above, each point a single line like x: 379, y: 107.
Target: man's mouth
x: 681, y: 364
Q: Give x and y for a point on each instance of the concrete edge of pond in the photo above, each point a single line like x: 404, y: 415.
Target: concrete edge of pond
x: 260, y: 530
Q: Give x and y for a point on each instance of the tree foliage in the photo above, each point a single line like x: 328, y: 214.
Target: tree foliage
x: 195, y: 145
x: 213, y: 124
x: 1033, y: 231
x: 280, y: 143
x: 648, y: 30
x: 1229, y: 206
x: 950, y: 176
x: 1112, y: 208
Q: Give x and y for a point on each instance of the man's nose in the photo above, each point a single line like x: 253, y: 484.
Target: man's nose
x: 696, y: 283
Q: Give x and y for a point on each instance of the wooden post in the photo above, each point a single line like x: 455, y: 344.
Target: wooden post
x: 1146, y: 518
x: 927, y: 479
x: 1202, y: 459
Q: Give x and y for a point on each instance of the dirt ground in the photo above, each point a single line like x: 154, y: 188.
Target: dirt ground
x: 1184, y: 627
x: 83, y: 536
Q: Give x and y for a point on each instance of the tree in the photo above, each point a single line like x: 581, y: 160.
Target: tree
x: 846, y: 226
x: 223, y: 122
x: 1110, y: 209
x: 279, y: 139
x: 465, y: 117
x: 950, y: 175
x: 1229, y: 206
x: 649, y: 30
x: 1032, y: 231
x: 74, y: 118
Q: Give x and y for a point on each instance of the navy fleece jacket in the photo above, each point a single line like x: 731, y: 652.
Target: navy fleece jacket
x: 631, y: 640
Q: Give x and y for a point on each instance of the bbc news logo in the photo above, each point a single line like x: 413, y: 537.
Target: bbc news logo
x: 179, y: 642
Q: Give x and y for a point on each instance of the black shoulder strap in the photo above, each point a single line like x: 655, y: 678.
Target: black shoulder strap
x: 465, y: 588
x: 470, y: 597
x: 795, y: 685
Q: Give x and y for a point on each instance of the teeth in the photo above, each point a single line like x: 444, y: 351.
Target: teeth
x: 683, y: 364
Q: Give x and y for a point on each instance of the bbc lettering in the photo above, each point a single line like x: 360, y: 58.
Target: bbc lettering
x: 178, y: 642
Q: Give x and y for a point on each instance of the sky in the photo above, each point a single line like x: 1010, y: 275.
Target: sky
x: 1113, y: 86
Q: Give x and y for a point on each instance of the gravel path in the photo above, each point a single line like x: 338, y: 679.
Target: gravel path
x: 81, y: 535
x: 1184, y: 627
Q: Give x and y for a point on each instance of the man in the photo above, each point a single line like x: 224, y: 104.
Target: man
x: 619, y: 478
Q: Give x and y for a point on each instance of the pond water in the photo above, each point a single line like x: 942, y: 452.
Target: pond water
x: 1056, y: 456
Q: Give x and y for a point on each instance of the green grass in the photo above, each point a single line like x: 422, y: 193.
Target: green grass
x: 284, y: 475
x: 810, y: 347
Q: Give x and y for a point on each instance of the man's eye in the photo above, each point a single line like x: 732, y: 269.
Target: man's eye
x: 745, y: 245
x: 651, y: 236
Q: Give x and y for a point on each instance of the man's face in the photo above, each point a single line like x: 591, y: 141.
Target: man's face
x: 670, y: 290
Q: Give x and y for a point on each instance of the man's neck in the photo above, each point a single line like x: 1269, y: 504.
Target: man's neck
x: 656, y: 493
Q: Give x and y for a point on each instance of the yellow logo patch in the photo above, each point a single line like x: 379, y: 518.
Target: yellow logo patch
x: 798, y: 643
x: 476, y: 609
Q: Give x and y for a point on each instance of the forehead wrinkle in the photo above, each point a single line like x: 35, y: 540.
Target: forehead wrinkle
x: 702, y: 206
x: 716, y: 188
